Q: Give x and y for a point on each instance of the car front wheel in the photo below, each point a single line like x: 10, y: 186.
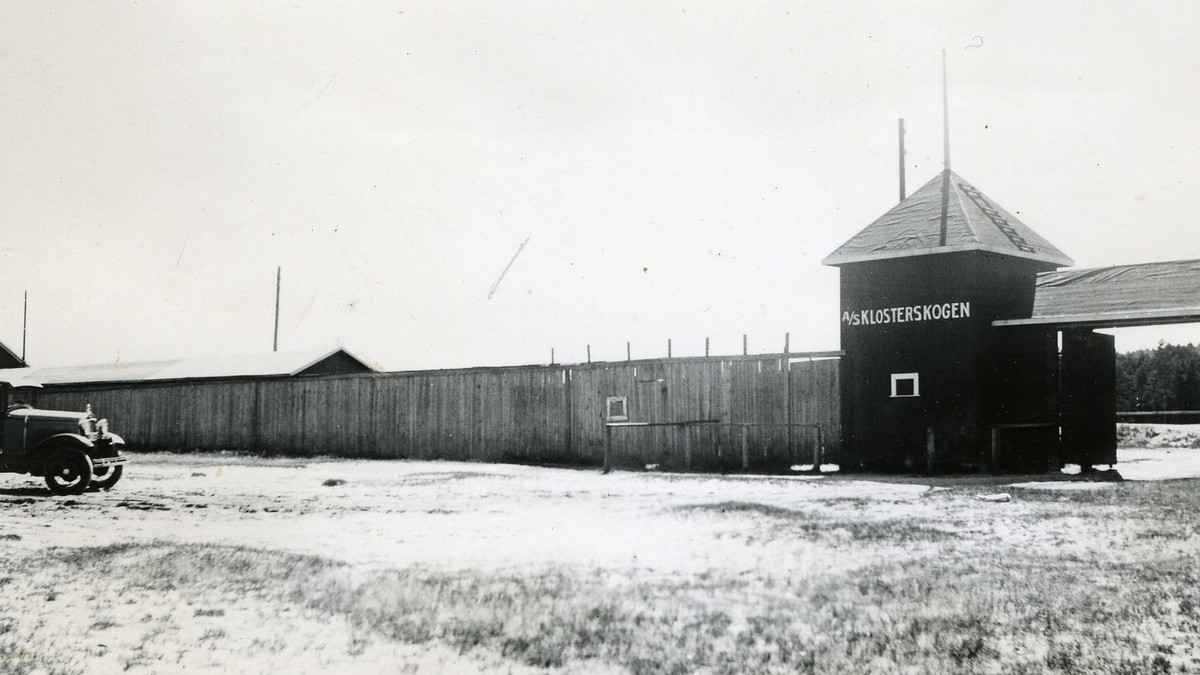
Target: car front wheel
x: 105, y: 477
x: 69, y: 472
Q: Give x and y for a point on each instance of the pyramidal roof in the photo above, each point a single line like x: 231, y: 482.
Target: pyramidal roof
x: 973, y: 223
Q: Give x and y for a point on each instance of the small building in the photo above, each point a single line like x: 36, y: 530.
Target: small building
x: 926, y: 376
x: 966, y: 345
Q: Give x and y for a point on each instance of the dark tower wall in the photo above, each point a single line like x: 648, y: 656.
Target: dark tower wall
x: 930, y: 315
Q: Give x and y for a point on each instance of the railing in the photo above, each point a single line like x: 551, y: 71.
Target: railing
x: 1160, y: 417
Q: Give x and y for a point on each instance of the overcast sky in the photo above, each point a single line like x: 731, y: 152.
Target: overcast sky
x: 678, y: 169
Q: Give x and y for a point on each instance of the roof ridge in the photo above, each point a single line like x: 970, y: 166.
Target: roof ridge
x: 908, y: 228
x: 971, y: 225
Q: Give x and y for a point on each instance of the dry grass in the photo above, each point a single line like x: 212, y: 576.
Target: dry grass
x: 1158, y: 436
x: 980, y: 602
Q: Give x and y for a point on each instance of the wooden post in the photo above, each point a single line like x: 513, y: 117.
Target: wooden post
x: 787, y: 340
x: 1055, y: 455
x: 552, y: 356
x: 607, y: 449
x: 995, y: 449
x: 278, y: 278
x: 745, y: 350
x: 589, y: 350
x: 745, y: 447
x: 785, y: 368
x: 818, y: 451
x: 706, y: 346
x: 687, y: 447
x: 668, y: 348
x: 628, y: 353
x: 928, y: 450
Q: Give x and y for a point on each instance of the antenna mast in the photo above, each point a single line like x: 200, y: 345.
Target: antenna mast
x: 902, y: 191
x: 945, y: 116
x: 946, y: 153
x: 24, y: 326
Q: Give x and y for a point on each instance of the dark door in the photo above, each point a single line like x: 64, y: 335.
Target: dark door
x: 1088, y: 398
x: 1021, y: 399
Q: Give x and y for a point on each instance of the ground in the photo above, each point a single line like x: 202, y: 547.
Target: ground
x: 234, y: 564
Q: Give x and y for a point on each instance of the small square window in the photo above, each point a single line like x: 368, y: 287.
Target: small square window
x: 616, y: 409
x: 905, y: 384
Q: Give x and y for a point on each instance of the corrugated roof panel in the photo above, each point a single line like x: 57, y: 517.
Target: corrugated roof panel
x: 105, y: 372
x: 1122, y: 295
x: 248, y: 365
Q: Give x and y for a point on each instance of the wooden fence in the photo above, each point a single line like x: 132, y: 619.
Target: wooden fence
x: 533, y: 414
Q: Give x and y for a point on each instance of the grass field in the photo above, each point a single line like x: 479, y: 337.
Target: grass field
x: 710, y: 574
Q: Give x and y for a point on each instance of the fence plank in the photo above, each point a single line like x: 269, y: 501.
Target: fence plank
x: 537, y: 414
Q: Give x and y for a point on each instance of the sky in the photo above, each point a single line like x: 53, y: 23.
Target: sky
x: 666, y: 170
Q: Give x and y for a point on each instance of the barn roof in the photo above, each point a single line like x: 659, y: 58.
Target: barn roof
x: 1112, y: 297
x: 973, y: 223
x: 339, y: 360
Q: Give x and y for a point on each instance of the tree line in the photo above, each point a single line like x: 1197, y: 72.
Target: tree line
x: 1164, y: 378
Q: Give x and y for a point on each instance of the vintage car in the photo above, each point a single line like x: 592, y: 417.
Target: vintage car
x: 73, y: 450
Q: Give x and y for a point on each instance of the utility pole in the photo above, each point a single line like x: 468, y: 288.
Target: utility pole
x: 902, y: 190
x: 278, y: 278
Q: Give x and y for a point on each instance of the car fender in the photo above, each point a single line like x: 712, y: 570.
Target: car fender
x: 116, y: 440
x: 62, y: 440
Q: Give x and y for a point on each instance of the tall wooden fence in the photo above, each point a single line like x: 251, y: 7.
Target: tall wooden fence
x: 535, y: 414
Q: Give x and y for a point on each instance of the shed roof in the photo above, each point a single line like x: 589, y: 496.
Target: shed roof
x: 973, y: 223
x: 9, y: 359
x: 1113, y: 297
x: 248, y: 365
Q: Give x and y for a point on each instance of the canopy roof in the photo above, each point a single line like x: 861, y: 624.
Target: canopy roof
x: 248, y: 365
x: 1112, y: 297
x: 973, y: 223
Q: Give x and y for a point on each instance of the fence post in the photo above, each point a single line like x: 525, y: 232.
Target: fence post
x: 607, y: 448
x: 818, y: 451
x: 687, y: 447
x: 745, y: 447
x: 929, y: 450
x: 1055, y: 450
x: 995, y: 450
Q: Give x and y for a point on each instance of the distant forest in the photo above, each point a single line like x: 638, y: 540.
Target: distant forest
x: 1165, y: 378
